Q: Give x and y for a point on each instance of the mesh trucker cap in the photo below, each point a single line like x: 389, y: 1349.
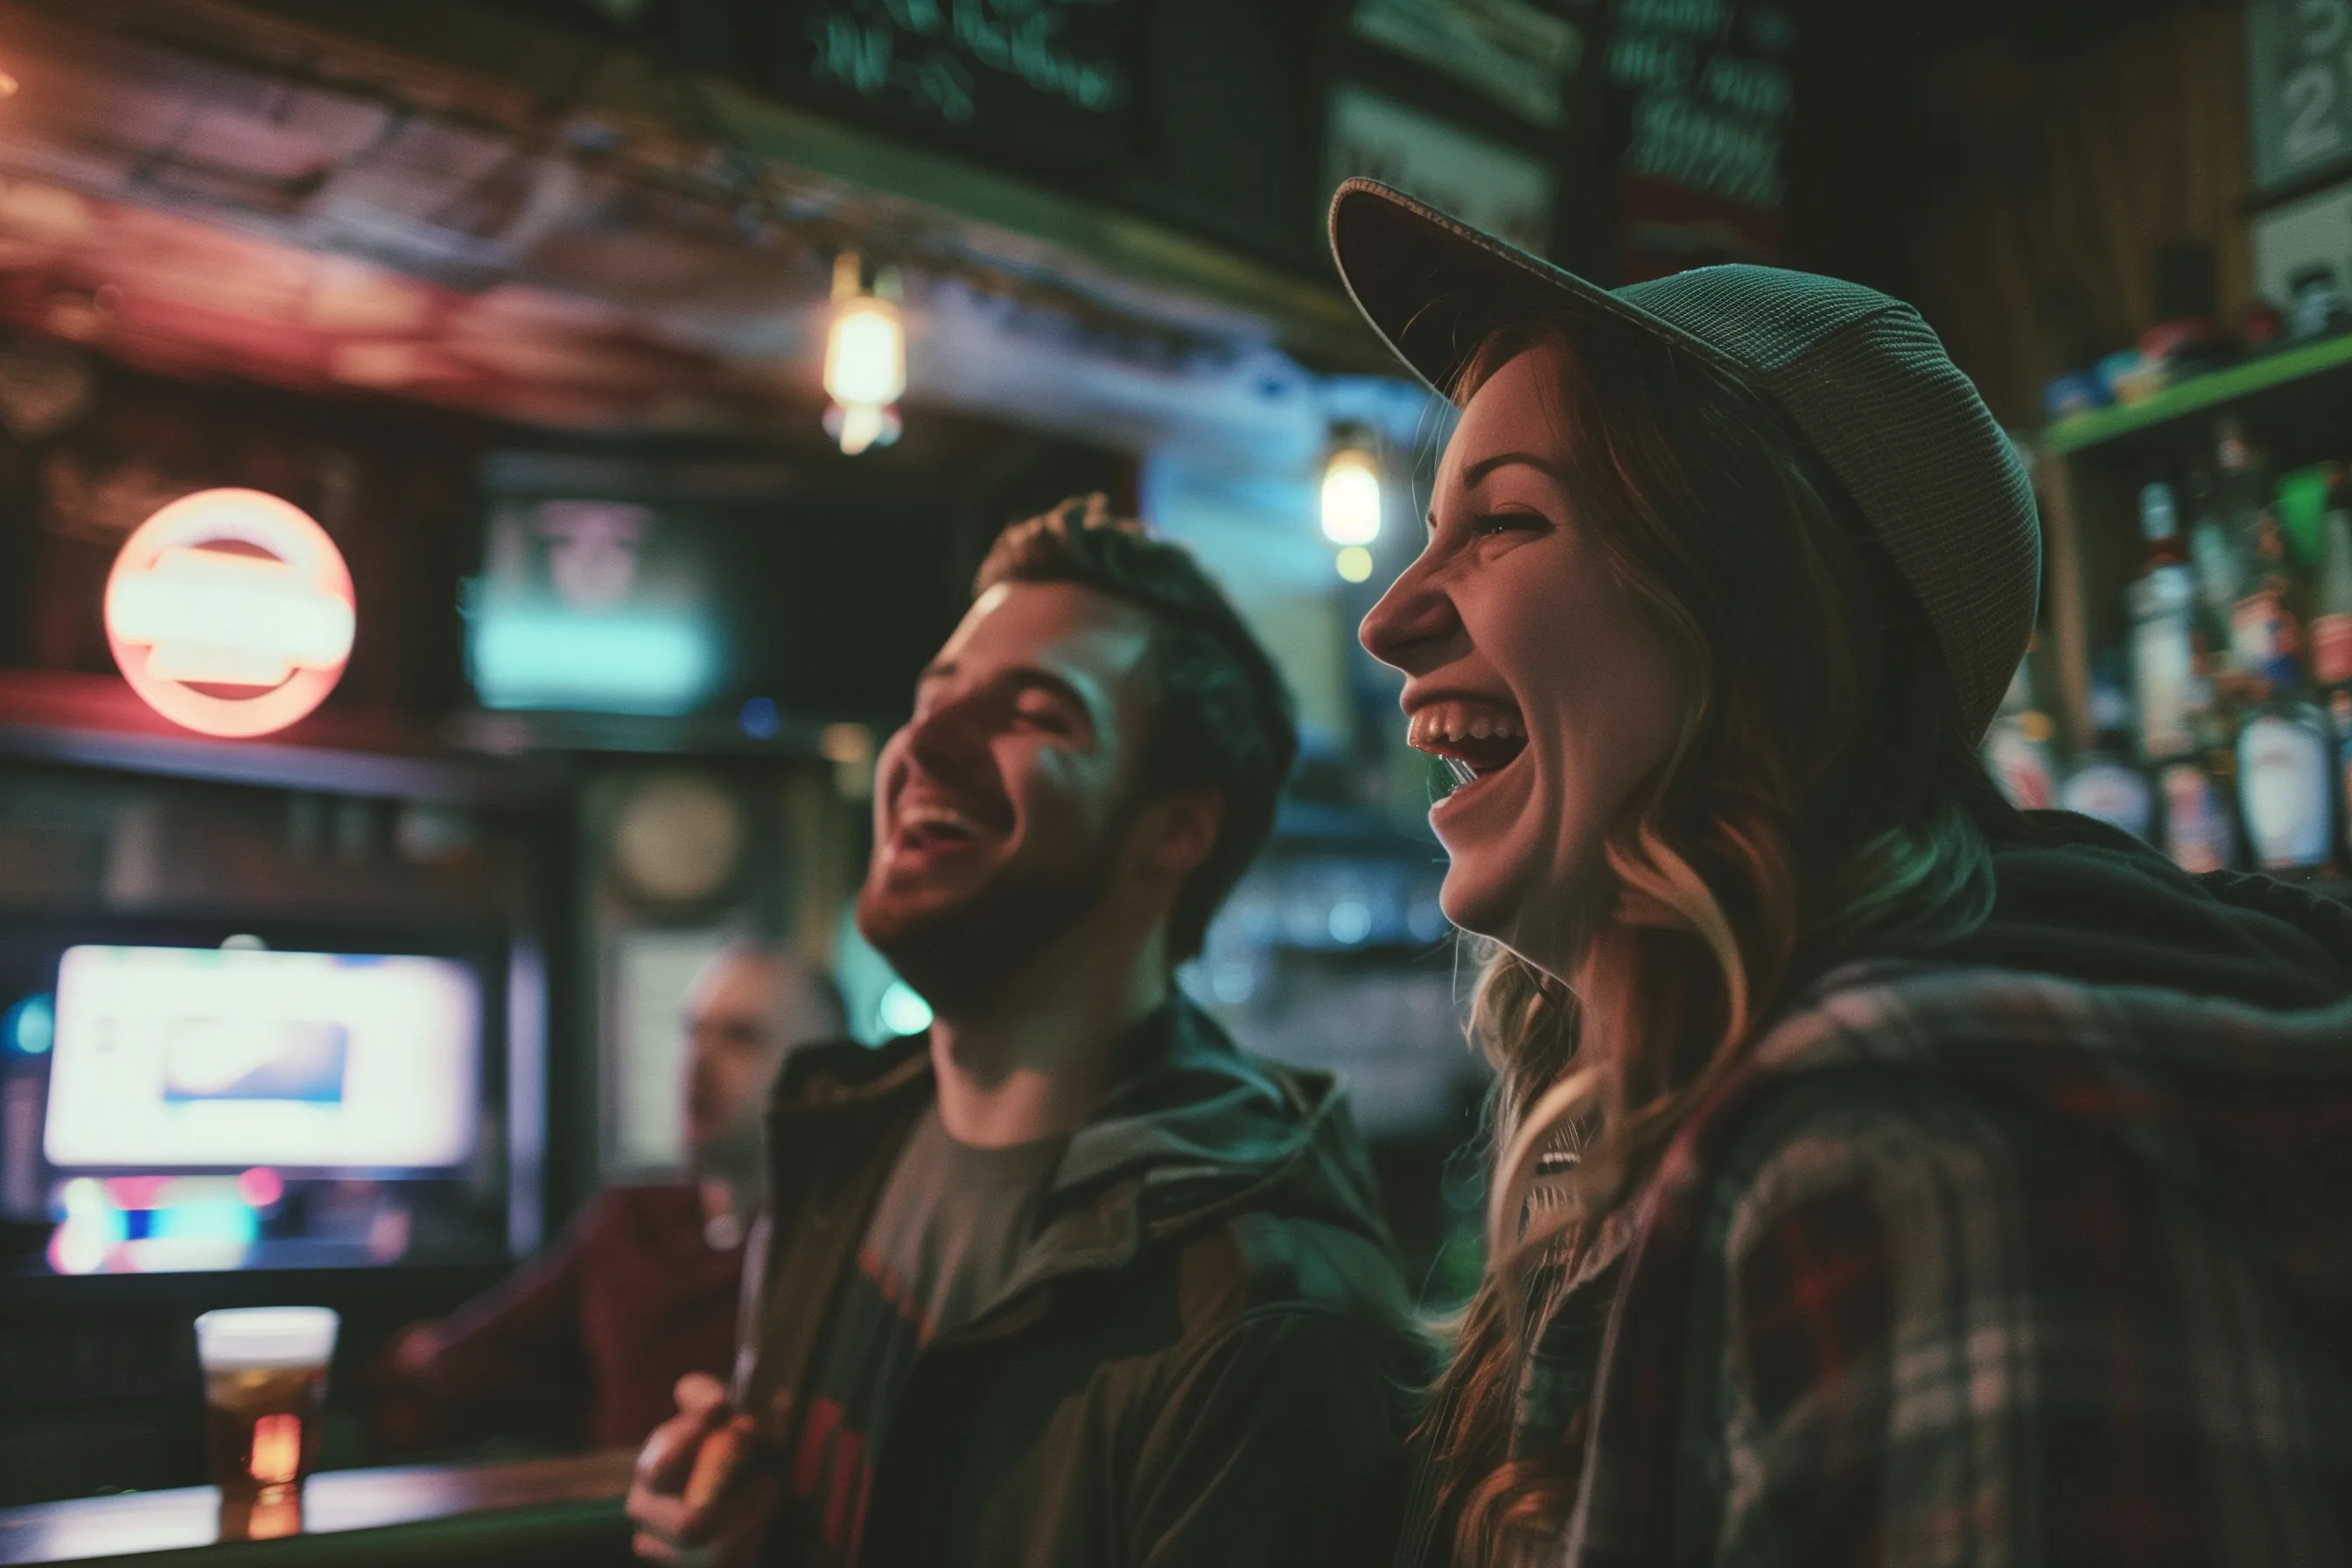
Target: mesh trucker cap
x: 1860, y: 373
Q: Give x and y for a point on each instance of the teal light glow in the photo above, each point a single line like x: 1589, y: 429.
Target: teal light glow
x: 30, y: 1027
x: 206, y: 1219
x: 901, y: 1012
x: 632, y: 663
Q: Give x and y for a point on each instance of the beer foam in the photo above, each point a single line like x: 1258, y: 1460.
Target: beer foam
x: 267, y: 1337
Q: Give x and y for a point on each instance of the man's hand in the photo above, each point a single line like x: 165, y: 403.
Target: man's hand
x: 703, y: 1493
x: 413, y: 1348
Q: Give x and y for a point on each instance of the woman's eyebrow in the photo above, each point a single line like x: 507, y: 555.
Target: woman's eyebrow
x: 1485, y: 466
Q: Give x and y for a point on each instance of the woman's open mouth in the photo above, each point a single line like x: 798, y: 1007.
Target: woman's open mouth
x: 1475, y: 740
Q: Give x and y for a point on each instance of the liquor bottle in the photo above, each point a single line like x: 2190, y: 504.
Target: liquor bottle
x: 2162, y: 604
x: 2017, y: 747
x: 2200, y: 831
x: 2331, y: 649
x: 2242, y: 478
x: 2249, y: 534
x: 2331, y: 616
x: 2287, y: 775
x: 2199, y: 793
x: 2103, y: 782
x: 2340, y: 715
x: 2265, y: 637
x: 2214, y: 562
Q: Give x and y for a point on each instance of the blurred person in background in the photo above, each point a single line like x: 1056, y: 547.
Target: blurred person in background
x: 584, y: 1343
x: 1882, y: 1176
x: 1068, y: 1278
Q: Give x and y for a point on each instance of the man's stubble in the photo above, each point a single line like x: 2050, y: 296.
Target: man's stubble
x: 958, y: 957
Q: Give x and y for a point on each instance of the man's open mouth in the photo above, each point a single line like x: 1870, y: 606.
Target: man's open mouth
x: 1473, y: 739
x: 935, y: 828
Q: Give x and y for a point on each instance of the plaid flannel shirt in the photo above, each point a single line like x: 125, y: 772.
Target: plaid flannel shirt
x: 1979, y: 1268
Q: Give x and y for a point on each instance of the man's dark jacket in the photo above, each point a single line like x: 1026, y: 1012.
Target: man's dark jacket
x: 1205, y: 1356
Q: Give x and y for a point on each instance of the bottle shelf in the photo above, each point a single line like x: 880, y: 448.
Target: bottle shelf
x: 2080, y: 432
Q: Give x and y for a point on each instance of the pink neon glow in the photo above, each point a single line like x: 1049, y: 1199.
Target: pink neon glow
x: 261, y: 1187
x: 180, y: 612
x: 135, y: 1191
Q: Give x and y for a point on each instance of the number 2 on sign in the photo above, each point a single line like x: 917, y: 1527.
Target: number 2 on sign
x: 2311, y: 130
x: 2310, y: 92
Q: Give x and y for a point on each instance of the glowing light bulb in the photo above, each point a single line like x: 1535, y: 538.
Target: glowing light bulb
x: 865, y: 362
x: 858, y: 425
x: 1351, y: 497
x: 1355, y: 563
x: 866, y: 355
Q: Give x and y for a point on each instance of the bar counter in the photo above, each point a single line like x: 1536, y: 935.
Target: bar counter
x: 535, y: 1511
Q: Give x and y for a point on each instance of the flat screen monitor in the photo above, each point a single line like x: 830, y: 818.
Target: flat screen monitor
x: 172, y: 1057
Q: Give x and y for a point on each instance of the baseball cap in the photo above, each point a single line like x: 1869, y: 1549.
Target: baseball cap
x: 1860, y: 374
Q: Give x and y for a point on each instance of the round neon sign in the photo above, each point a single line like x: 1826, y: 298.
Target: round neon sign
x: 230, y: 612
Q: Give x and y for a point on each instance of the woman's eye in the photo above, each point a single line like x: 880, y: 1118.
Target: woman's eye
x: 1487, y: 525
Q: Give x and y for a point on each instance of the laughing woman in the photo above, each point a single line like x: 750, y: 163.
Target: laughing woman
x: 1882, y: 1176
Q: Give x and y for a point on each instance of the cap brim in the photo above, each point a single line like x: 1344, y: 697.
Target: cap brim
x: 1435, y: 289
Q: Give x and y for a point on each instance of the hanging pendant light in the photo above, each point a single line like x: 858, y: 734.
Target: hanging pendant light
x: 1351, y: 485
x: 865, y: 358
x: 1352, y: 498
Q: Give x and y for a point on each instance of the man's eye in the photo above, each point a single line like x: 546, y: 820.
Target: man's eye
x: 1042, y: 715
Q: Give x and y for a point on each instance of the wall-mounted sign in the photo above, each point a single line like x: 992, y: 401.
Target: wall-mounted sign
x: 230, y: 612
x: 1713, y: 93
x: 1517, y: 54
x: 1482, y: 181
x: 2298, y: 87
x: 1026, y: 71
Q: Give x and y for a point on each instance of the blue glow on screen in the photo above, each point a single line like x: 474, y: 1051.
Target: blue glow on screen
x: 637, y: 662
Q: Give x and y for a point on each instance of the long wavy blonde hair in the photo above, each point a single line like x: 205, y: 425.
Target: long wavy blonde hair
x: 1820, y: 802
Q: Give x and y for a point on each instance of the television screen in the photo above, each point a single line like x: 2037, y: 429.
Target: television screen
x: 170, y: 1057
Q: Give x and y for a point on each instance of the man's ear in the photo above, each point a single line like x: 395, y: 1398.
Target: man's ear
x: 1180, y: 831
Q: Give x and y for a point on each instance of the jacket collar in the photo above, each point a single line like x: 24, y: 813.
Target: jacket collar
x: 1192, y: 1129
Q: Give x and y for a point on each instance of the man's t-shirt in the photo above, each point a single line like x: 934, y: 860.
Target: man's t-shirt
x: 947, y: 1235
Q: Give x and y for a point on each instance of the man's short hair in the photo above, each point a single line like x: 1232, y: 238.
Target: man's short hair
x: 1221, y: 716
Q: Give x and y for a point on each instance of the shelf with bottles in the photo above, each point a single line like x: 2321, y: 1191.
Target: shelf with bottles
x: 2217, y: 723
x: 2291, y: 412
x: 2284, y: 374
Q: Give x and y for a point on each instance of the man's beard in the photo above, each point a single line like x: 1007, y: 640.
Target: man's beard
x: 957, y: 957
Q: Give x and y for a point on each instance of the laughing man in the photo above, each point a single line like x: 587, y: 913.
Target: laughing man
x: 1068, y: 1278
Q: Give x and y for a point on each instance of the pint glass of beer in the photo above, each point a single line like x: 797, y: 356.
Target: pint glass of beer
x: 265, y: 1380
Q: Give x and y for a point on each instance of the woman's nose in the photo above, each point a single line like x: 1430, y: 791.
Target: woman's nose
x: 1408, y: 629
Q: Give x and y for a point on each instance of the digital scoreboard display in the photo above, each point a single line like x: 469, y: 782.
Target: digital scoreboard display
x: 171, y: 1058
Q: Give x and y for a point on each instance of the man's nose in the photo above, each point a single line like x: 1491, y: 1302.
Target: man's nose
x: 945, y: 736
